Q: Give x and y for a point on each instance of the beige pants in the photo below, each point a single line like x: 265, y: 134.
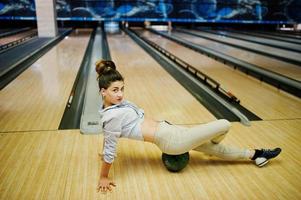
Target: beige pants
x: 172, y: 139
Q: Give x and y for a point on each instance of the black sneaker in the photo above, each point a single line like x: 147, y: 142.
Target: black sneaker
x: 266, y: 154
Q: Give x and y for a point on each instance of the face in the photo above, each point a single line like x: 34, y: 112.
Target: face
x: 113, y: 94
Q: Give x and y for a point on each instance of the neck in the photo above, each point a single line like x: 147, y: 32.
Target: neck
x: 105, y: 104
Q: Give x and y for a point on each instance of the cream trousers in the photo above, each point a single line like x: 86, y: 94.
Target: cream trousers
x: 172, y: 139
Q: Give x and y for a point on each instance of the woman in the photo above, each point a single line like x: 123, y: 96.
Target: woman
x: 121, y: 118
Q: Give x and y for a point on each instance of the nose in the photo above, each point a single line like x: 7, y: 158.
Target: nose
x: 120, y: 94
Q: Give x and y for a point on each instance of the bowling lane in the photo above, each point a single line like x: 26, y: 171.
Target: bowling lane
x: 280, y: 34
x: 257, y: 39
x: 11, y: 38
x: 281, y: 67
x: 36, y: 99
x: 267, y: 35
x: 148, y: 85
x: 262, y: 99
x: 59, y: 165
x: 260, y: 47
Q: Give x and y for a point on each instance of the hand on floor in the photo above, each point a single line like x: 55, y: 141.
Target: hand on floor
x: 105, y: 184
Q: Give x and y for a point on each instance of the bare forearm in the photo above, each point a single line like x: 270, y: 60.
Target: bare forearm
x: 105, y: 183
x: 105, y: 169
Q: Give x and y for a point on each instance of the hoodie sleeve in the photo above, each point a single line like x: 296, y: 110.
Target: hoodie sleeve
x: 112, y: 131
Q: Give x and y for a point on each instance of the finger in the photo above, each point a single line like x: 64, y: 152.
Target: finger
x: 98, y: 188
x: 113, y: 184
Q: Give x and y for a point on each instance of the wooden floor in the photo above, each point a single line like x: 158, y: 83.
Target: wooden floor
x: 15, y: 37
x: 253, y: 45
x: 274, y: 104
x: 37, y: 161
x: 65, y: 165
x: 272, y: 64
x: 161, y: 96
x: 36, y: 100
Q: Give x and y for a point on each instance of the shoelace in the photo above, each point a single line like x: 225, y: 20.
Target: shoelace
x: 268, y: 153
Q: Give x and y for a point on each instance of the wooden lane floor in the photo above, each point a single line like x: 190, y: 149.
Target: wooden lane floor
x: 264, y: 100
x: 256, y: 38
x: 278, y: 66
x: 274, y: 50
x: 266, y: 48
x: 36, y: 99
x: 15, y: 37
x: 65, y: 165
x: 149, y: 86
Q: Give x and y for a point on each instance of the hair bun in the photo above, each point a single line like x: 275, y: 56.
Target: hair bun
x: 104, y: 66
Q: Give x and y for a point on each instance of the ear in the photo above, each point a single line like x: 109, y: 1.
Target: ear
x: 103, y: 92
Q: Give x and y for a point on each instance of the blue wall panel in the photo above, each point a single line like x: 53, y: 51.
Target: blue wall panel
x: 246, y: 11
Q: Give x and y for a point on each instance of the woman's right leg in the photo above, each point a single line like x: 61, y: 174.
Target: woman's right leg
x: 173, y: 139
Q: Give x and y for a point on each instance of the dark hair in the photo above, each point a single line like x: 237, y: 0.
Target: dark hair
x: 107, y: 73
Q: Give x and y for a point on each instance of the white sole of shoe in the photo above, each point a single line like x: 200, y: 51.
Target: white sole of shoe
x: 261, y: 164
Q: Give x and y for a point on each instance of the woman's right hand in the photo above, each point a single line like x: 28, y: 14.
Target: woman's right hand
x: 104, y: 184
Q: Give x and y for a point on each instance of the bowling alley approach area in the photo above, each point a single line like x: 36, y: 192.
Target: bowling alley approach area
x: 186, y: 62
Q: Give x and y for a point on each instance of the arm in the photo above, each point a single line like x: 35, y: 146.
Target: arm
x: 109, y: 152
x: 104, y: 183
x: 112, y: 131
x: 105, y: 169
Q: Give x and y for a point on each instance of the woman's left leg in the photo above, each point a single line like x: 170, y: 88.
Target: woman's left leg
x: 225, y: 152
x: 206, y: 138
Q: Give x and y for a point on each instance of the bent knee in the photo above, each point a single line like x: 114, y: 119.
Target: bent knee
x: 224, y: 124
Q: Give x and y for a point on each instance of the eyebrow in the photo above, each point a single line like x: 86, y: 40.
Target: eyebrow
x: 118, y: 87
